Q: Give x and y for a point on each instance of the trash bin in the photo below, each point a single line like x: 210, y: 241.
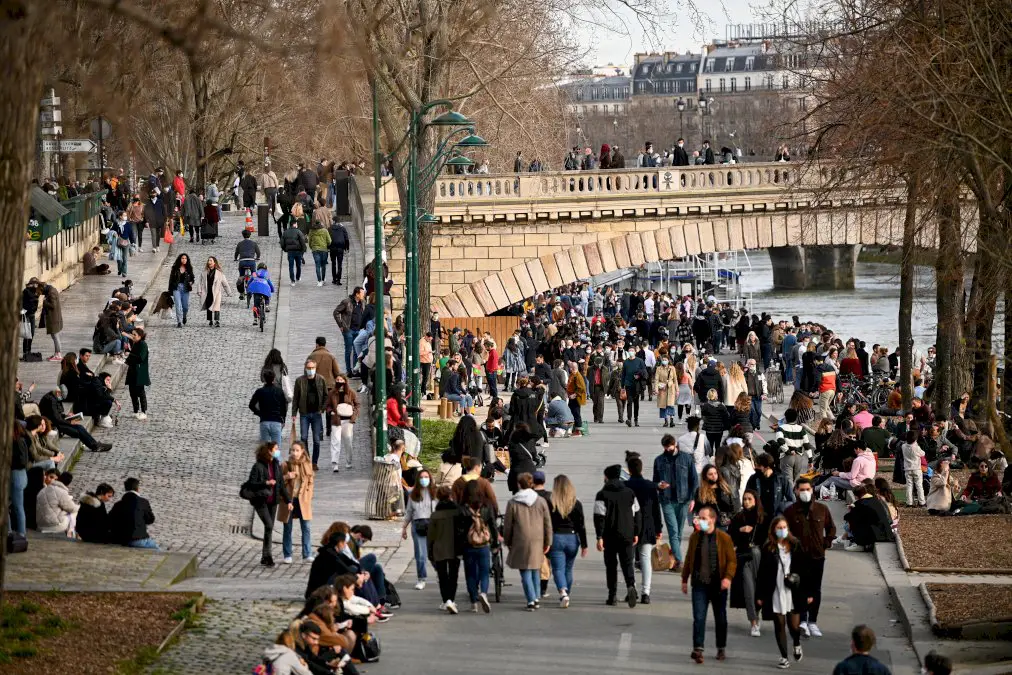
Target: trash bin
x: 263, y: 220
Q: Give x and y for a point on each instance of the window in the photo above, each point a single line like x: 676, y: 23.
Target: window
x: 769, y: 82
x: 640, y: 87
x: 734, y: 85
x: 729, y: 64
x: 679, y: 69
x: 709, y: 86
x: 579, y: 94
x: 748, y: 83
x: 787, y: 82
x: 721, y: 85
x: 615, y: 107
x: 749, y: 62
x: 709, y: 65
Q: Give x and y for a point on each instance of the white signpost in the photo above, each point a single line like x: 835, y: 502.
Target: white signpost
x: 70, y: 145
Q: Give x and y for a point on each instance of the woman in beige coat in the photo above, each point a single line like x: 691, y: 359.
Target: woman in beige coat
x: 528, y: 535
x: 212, y: 286
x: 299, y: 477
x: 666, y: 390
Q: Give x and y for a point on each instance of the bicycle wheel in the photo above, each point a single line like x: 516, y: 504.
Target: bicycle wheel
x: 497, y: 572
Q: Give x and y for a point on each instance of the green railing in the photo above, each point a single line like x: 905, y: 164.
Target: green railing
x: 81, y: 208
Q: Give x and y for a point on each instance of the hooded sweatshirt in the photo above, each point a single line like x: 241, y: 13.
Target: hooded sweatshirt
x: 285, y: 661
x: 863, y: 467
x: 526, y: 497
x: 617, y: 514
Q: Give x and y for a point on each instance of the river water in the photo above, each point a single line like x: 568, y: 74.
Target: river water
x: 868, y: 312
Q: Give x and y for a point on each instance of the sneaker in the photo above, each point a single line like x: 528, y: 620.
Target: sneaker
x: 442, y: 607
x: 645, y: 599
x: 105, y: 422
x: 803, y: 627
x: 383, y: 618
x: 854, y: 548
x: 611, y: 601
x: 474, y: 607
x: 784, y: 664
x: 798, y: 654
x: 292, y: 284
x: 531, y: 607
x: 564, y: 601
x: 287, y: 560
x: 141, y: 416
x: 483, y: 601
x: 420, y: 585
x: 103, y: 447
x: 630, y: 597
x: 348, y: 465
x: 393, y: 605
x: 55, y: 357
x: 310, y: 559
x: 755, y: 631
x: 335, y: 468
x: 363, y: 389
x: 814, y: 629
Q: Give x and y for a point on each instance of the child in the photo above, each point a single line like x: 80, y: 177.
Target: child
x: 912, y: 454
x: 261, y: 288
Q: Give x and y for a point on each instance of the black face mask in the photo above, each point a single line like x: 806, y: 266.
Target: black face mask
x: 713, y: 481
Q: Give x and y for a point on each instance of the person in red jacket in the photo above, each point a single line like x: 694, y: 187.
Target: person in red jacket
x: 851, y: 365
x: 397, y: 409
x: 491, y: 367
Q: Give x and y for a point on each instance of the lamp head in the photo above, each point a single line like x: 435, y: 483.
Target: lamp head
x: 450, y: 118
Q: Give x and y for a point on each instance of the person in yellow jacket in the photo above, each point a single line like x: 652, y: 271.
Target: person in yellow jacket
x: 576, y: 387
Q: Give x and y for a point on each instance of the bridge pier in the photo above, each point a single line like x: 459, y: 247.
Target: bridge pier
x: 799, y: 268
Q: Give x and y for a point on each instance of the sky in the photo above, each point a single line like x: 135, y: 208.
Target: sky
x: 605, y: 46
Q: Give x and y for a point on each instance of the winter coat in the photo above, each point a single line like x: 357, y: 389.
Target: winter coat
x: 137, y: 365
x: 183, y: 275
x: 577, y: 387
x: 650, y: 509
x: 293, y: 241
x: 217, y: 290
x: 129, y: 518
x: 783, y: 492
x: 93, y: 520
x: 557, y: 384
x: 259, y: 474
x: 339, y: 240
x: 912, y: 454
x: 769, y: 571
x: 527, y: 531
x: 524, y: 407
x: 52, y: 313
x: 665, y: 386
x: 617, y: 515
x: 319, y: 237
x: 708, y: 379
x: 306, y: 479
x: 348, y: 396
x: 193, y: 210
x: 284, y: 661
x: 714, y: 416
x: 727, y: 561
x: 53, y: 508
x: 326, y: 365
x: 300, y: 395
x: 447, y: 535
x: 522, y: 453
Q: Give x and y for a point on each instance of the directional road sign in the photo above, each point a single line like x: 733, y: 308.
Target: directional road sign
x: 71, y: 145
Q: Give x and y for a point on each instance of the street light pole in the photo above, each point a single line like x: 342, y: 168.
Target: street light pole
x: 380, y: 375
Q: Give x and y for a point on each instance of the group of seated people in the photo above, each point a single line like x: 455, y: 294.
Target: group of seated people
x: 112, y: 334
x: 347, y: 594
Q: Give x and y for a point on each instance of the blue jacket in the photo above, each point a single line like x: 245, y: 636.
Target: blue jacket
x: 632, y: 368
x: 261, y: 284
x: 559, y: 413
x: 788, y: 346
x: 678, y: 470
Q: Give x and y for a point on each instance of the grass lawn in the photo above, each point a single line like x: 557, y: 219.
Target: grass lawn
x: 436, y: 435
x: 56, y: 633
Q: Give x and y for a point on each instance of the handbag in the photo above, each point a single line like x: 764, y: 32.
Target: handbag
x: 623, y: 394
x: 123, y: 242
x: 26, y: 328
x: 367, y: 649
x: 422, y: 527
x: 792, y: 581
x: 660, y: 558
x: 345, y: 411
x: 167, y: 236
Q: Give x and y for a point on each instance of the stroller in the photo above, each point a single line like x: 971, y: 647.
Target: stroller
x: 208, y: 230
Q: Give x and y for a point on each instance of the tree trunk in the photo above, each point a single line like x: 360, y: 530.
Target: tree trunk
x: 907, y: 293
x: 426, y: 204
x: 20, y: 52
x: 948, y: 299
x: 1006, y: 380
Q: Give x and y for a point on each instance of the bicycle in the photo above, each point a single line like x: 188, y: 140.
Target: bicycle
x: 498, y: 567
x: 246, y: 270
x: 259, y: 310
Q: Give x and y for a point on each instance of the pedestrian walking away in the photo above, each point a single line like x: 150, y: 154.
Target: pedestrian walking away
x: 527, y: 533
x: 569, y: 536
x: 617, y: 520
x: 649, y: 533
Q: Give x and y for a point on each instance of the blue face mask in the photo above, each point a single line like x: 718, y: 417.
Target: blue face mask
x: 276, y: 454
x: 781, y: 533
x: 423, y: 481
x: 704, y: 525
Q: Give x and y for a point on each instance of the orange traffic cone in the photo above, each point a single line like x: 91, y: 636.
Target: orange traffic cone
x: 249, y: 220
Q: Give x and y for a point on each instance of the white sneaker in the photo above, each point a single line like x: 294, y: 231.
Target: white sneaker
x: 319, y: 284
x: 798, y: 653
x: 784, y: 664
x: 363, y: 389
x: 564, y: 600
x: 483, y: 601
x: 755, y: 631
x: 442, y: 607
x: 292, y: 283
x: 420, y: 585
x: 287, y: 561
x: 310, y: 559
x: 105, y: 422
x: 814, y: 630
x: 804, y: 629
x: 141, y: 416
x: 854, y: 548
x: 451, y: 607
x: 348, y: 465
x: 335, y: 468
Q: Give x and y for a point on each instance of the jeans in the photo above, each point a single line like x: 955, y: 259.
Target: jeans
x: 376, y: 572
x: 466, y: 400
x: 79, y: 432
x: 294, y: 266
x: 675, y: 515
x: 271, y: 431
x: 340, y: 438
x: 562, y: 556
x: 574, y: 408
x: 336, y: 265
x: 702, y: 598
x: 182, y: 300
x: 147, y: 543
x: 531, y: 581
x: 477, y: 566
x: 767, y: 354
x: 493, y: 384
x: 349, y: 349
x: 320, y: 259
x: 266, y: 513
x: 19, y: 481
x: 618, y: 553
x: 272, y: 199
x: 667, y: 412
x: 646, y: 568
x: 113, y: 347
x: 842, y: 484
x: 315, y: 420
x: 755, y: 413
x: 421, y: 552
x: 286, y: 538
x: 121, y: 264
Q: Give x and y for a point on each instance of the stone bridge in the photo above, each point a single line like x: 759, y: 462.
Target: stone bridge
x: 501, y: 238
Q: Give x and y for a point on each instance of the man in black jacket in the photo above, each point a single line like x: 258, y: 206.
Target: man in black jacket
x: 92, y: 519
x: 271, y: 406
x: 130, y: 517
x: 339, y: 245
x: 868, y: 519
x: 680, y: 157
x: 51, y: 407
x: 617, y: 520
x: 650, y: 522
x: 708, y: 379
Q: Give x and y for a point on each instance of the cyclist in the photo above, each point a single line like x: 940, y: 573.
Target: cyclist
x: 247, y: 252
x: 261, y: 288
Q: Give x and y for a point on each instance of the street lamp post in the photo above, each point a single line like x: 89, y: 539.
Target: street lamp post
x: 681, y: 109
x: 380, y: 375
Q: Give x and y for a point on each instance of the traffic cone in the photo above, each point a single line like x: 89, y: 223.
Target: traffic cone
x: 249, y: 220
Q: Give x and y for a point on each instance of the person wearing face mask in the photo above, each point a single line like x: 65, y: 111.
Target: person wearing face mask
x: 310, y: 399
x: 774, y: 491
x: 665, y: 383
x: 756, y: 383
x: 343, y: 406
x: 421, y: 503
x: 812, y: 524
x: 680, y: 157
x: 744, y: 530
x: 783, y: 589
x: 676, y: 478
x: 710, y: 564
x: 265, y: 490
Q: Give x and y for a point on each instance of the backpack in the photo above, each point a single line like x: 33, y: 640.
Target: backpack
x: 477, y: 534
x: 367, y: 649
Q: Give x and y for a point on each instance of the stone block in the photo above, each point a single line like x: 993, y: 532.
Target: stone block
x: 480, y: 291
x: 662, y: 243
x: 622, y: 226
x: 512, y: 240
x: 523, y: 278
x: 706, y: 239
x: 621, y: 249
x: 778, y: 224
x: 635, y: 246
x: 600, y: 226
x: 538, y: 276
x: 536, y: 240
x: 471, y: 252
x: 794, y: 227
x: 548, y: 229
x: 509, y: 283
x: 438, y: 305
x: 469, y: 301
x: 475, y: 275
x: 565, y: 264
x: 463, y: 240
x: 434, y: 266
x: 440, y: 240
x: 563, y: 240
x: 463, y: 264
x: 454, y: 308
x: 764, y: 229
x: 525, y: 252
x: 551, y: 269
x: 735, y: 235
x: 691, y: 231
x: 593, y: 255
x: 495, y: 287
x: 585, y: 238
x: 438, y: 289
x: 720, y: 238
x: 647, y: 225
x: 823, y: 228
x: 487, y: 264
x: 574, y: 228
x: 487, y: 240
x: 649, y: 245
x: 451, y: 277
x: 607, y: 250
x: 579, y: 260
x: 751, y: 232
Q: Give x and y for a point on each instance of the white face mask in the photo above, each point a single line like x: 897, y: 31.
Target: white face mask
x: 805, y: 495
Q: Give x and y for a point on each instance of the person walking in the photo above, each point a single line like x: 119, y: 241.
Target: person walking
x: 319, y: 242
x: 212, y: 286
x: 52, y: 317
x: 812, y: 524
x: 911, y: 454
x: 634, y: 376
x: 527, y: 532
x: 714, y: 492
x: 576, y: 389
x: 744, y: 530
x: 617, y: 521
x: 860, y: 661
x: 421, y: 503
x: 756, y: 383
x: 154, y: 220
x: 569, y: 536
x: 293, y: 243
x: 299, y: 479
x: 710, y: 564
x: 138, y: 374
x: 677, y: 480
x: 270, y: 404
x: 479, y: 511
x: 666, y: 390
x: 29, y: 308
x: 310, y: 399
x: 340, y: 243
x: 269, y: 184
x: 598, y: 378
x: 265, y: 490
x: 193, y: 211
x: 650, y: 521
x: 446, y: 544
x: 342, y: 404
x: 135, y: 214
x: 349, y: 316
x: 782, y: 591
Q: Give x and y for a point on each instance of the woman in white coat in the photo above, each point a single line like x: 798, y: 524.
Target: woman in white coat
x: 212, y: 286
